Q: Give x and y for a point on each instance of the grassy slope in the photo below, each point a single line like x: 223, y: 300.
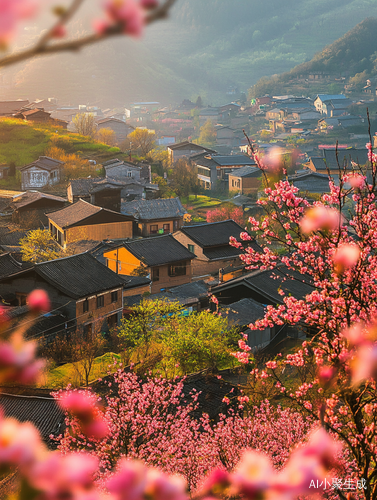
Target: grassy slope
x: 23, y: 143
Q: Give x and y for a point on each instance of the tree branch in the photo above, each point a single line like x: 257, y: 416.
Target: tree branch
x: 42, y: 47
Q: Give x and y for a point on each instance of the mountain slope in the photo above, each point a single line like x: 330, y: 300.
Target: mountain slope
x: 353, y: 53
x: 203, y: 48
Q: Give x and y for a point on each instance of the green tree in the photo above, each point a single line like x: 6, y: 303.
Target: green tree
x: 143, y: 140
x: 85, y: 124
x: 198, y: 341
x: 39, y: 246
x: 207, y: 135
x: 145, y: 324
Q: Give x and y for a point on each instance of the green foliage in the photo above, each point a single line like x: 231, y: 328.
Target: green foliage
x: 354, y: 53
x: 39, y: 246
x: 178, y: 343
x: 147, y: 318
x: 198, y: 341
x: 184, y: 179
x: 207, y: 135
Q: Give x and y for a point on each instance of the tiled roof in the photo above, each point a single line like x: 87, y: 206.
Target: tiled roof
x: 213, y: 233
x: 345, y: 156
x: 10, y: 236
x: 318, y: 162
x: 188, y: 293
x: 245, y: 171
x: 214, y: 160
x: 329, y: 97
x: 43, y: 412
x: 267, y: 283
x: 134, y: 281
x: 221, y: 252
x: 244, y: 312
x: 159, y: 250
x: 303, y: 174
x: 191, y: 145
x: 154, y: 209
x: 31, y: 112
x: 79, y: 275
x: 79, y: 212
x: 8, y: 265
x: 31, y: 197
x: 83, y: 187
x: 44, y: 162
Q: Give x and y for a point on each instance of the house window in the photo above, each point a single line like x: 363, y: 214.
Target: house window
x: 100, y: 301
x: 177, y: 269
x: 191, y: 248
x: 85, y: 306
x: 129, y: 174
x: 114, y: 296
x: 153, y: 229
x: 155, y: 274
x: 166, y: 228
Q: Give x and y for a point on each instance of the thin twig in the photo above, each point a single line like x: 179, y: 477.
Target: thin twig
x: 42, y: 47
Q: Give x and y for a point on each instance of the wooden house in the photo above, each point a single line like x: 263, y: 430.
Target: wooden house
x: 310, y: 182
x: 43, y: 172
x: 210, y: 243
x: 185, y: 150
x: 30, y: 208
x: 9, y: 108
x: 241, y: 314
x: 83, y: 221
x: 86, y: 292
x: 164, y: 259
x: 99, y: 191
x: 212, y: 169
x: 159, y: 216
x: 245, y: 180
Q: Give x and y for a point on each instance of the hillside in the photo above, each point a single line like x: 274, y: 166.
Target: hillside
x: 353, y: 55
x: 23, y: 143
x: 204, y: 48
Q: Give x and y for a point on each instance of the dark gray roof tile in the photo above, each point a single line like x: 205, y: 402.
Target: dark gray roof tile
x: 145, y: 210
x: 159, y: 250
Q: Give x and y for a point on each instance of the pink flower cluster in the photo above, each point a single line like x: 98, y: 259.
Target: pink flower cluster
x: 11, y: 13
x: 127, y: 14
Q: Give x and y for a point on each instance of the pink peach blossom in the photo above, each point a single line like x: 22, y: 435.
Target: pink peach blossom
x: 346, y: 256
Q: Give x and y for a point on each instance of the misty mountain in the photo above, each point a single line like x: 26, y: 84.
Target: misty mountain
x: 204, y: 48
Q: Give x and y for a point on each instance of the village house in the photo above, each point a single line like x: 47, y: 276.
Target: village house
x: 185, y: 150
x: 227, y: 136
x: 245, y: 180
x: 85, y: 291
x: 323, y: 105
x: 350, y: 158
x: 308, y: 181
x: 210, y: 243
x: 83, y: 221
x: 9, y: 108
x: 212, y: 169
x: 241, y: 314
x: 30, y: 208
x: 41, y: 116
x: 265, y: 287
x: 192, y: 296
x: 159, y: 216
x: 164, y: 259
x: 43, y: 172
x: 119, y: 127
x: 99, y: 191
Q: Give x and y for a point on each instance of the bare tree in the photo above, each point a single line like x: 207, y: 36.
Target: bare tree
x: 86, y: 347
x: 142, y: 140
x: 85, y: 124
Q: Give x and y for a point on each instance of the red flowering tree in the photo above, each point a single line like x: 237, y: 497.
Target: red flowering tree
x: 226, y: 212
x: 332, y: 378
